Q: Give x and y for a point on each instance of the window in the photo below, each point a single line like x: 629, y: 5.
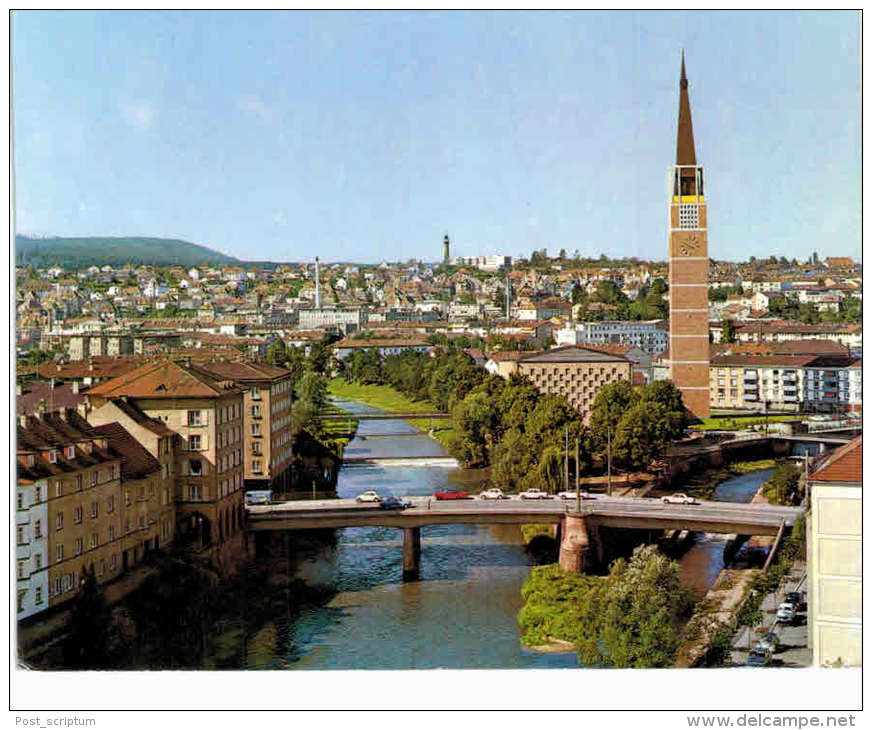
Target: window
x: 256, y: 467
x: 166, y: 471
x: 195, y: 442
x: 255, y: 448
x: 93, y: 509
x: 93, y: 539
x: 79, y: 482
x: 77, y: 515
x: 38, y: 494
x: 110, y: 504
x: 93, y: 478
x: 255, y: 429
x: 113, y: 563
x: 71, y: 452
x: 195, y: 468
x: 38, y: 594
x: 78, y: 546
x: 37, y: 528
x: 20, y: 570
x: 194, y: 418
x: 53, y: 456
x: 255, y: 411
x: 112, y: 473
x: 59, y: 489
x: 59, y: 553
x: 127, y: 498
x: 194, y: 494
x: 255, y: 392
x: 37, y: 561
x: 111, y: 532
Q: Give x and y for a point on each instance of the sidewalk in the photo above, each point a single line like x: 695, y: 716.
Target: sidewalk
x: 794, y: 650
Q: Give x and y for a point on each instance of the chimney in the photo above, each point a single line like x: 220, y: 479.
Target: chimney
x: 75, y: 387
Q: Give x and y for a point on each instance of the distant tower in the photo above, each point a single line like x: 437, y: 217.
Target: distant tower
x: 688, y: 267
x: 445, y: 247
x: 317, y: 286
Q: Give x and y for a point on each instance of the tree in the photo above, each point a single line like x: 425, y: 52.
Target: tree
x: 551, y: 468
x: 86, y: 646
x: 728, y: 332
x: 610, y: 404
x: 511, y: 460
x: 475, y: 422
x: 642, y: 433
x: 666, y: 394
x: 276, y: 353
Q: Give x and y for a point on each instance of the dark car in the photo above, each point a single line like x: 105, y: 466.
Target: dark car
x: 394, y: 503
x: 758, y: 657
x: 794, y: 597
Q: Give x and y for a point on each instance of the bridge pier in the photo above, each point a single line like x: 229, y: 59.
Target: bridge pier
x: 580, y: 546
x: 411, y: 552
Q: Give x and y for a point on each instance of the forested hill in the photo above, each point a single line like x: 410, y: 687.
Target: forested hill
x: 76, y: 253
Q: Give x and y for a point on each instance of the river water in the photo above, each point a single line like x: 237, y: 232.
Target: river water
x: 462, y: 613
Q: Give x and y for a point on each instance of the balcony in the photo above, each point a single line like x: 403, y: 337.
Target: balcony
x: 749, y: 396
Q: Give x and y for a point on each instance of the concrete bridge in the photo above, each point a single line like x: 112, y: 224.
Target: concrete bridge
x: 383, y: 416
x: 577, y: 532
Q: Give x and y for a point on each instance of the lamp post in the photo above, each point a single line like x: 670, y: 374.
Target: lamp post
x: 577, y: 481
x: 609, y: 459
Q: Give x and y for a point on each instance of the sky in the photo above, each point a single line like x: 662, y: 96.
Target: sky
x: 366, y: 136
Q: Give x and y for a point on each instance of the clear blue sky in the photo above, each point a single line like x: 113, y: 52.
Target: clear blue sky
x: 363, y: 136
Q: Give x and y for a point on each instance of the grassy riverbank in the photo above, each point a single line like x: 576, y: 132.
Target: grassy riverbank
x: 701, y: 484
x: 733, y: 423
x: 388, y: 399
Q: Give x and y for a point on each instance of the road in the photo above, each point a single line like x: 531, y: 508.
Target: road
x: 794, y: 650
x: 645, y: 513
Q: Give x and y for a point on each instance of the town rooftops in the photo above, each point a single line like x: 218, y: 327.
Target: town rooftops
x: 244, y: 371
x: 366, y: 343
x: 53, y: 396
x: 138, y: 416
x: 844, y: 465
x: 165, y: 379
x: 136, y: 461
x: 572, y: 353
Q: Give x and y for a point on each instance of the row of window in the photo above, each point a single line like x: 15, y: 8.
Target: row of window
x: 77, y: 485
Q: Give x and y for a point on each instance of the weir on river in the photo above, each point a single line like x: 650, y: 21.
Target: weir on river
x: 462, y: 613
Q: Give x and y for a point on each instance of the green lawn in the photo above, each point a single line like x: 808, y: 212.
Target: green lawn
x: 730, y: 423
x: 388, y: 399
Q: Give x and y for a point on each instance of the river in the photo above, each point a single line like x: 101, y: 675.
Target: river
x: 462, y: 613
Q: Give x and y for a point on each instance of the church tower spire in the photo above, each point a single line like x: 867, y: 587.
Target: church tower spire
x: 688, y: 267
x: 685, y: 153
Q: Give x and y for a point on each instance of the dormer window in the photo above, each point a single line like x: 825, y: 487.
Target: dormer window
x: 31, y: 459
x: 53, y: 456
x: 71, y: 452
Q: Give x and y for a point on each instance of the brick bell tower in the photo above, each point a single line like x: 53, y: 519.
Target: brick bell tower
x: 688, y: 268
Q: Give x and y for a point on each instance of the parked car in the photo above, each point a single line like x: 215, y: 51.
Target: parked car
x: 679, y: 498
x: 571, y: 495
x: 451, y: 495
x: 492, y: 494
x: 786, y: 613
x: 368, y: 496
x: 794, y: 597
x: 759, y: 657
x: 534, y: 493
x: 769, y: 641
x: 394, y: 503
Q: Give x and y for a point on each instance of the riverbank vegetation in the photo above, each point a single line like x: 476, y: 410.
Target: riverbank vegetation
x: 510, y: 426
x: 703, y: 482
x: 739, y: 422
x: 784, y: 486
x: 633, y: 617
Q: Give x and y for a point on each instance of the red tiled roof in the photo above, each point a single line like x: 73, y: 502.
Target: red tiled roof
x: 136, y: 461
x: 61, y: 396
x: 164, y: 379
x: 845, y: 464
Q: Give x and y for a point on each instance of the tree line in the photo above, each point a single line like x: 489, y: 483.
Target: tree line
x: 521, y: 433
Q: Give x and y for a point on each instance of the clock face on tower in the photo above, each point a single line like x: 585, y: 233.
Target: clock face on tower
x: 691, y: 245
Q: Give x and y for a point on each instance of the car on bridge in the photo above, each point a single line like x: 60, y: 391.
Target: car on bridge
x: 572, y: 495
x: 394, y: 503
x: 679, y: 498
x: 534, y: 493
x: 369, y: 496
x: 492, y: 494
x: 451, y: 495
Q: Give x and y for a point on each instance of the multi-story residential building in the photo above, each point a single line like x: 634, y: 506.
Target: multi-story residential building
x: 575, y: 373
x: 847, y: 334
x: 385, y: 346
x: 651, y: 336
x: 267, y: 437
x: 835, y: 548
x: 485, y: 263
x: 207, y: 413
x: 828, y: 383
x: 68, y: 516
x: 350, y: 320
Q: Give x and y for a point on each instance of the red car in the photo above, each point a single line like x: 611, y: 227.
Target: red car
x: 451, y: 495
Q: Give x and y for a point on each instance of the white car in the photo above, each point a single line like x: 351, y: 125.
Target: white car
x: 571, y: 495
x: 535, y: 494
x: 786, y: 613
x: 679, y: 499
x: 368, y: 496
x: 492, y: 494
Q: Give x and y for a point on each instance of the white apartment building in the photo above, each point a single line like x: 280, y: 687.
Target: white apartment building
x: 485, y: 263
x: 31, y: 546
x: 650, y: 336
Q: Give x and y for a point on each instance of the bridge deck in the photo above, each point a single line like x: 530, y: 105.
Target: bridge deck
x: 382, y: 416
x: 606, y: 511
